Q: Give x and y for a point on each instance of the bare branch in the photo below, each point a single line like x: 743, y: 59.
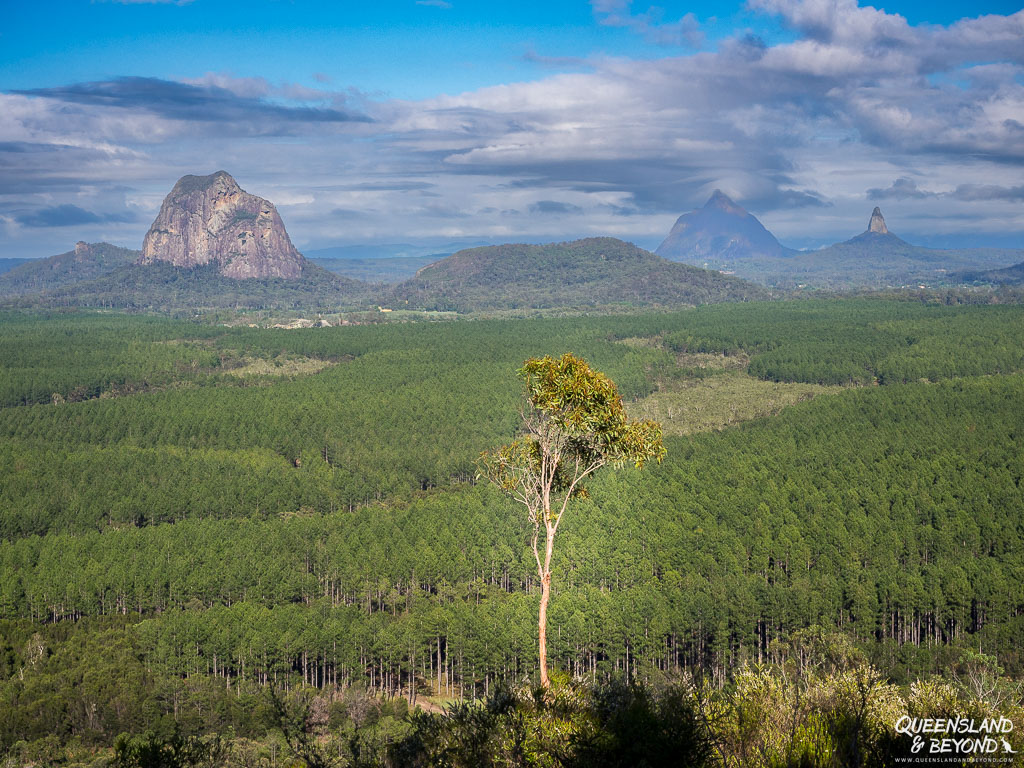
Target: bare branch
x: 568, y: 494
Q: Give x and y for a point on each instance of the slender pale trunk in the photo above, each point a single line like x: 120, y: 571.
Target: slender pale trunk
x: 545, y: 595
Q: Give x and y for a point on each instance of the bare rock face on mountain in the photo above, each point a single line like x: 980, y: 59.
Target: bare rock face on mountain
x: 211, y: 219
x: 877, y: 223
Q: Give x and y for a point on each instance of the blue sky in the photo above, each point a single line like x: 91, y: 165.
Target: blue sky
x: 398, y: 48
x: 432, y: 121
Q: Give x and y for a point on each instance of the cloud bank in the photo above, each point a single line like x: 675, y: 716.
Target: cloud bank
x: 858, y: 107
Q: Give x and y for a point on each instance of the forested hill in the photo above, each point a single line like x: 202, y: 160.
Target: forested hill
x: 107, y: 276
x: 1009, y: 276
x: 162, y: 287
x: 86, y: 262
x: 584, y: 273
x: 591, y: 272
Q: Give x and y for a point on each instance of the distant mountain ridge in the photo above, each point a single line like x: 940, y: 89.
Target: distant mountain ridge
x: 387, y: 269
x: 6, y: 265
x: 393, y: 250
x: 211, y: 237
x: 724, y: 236
x: 878, y: 258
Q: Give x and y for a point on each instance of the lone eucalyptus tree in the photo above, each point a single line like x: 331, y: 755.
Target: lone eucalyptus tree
x: 573, y: 424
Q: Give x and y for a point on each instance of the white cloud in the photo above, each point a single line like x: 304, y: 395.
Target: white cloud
x: 859, y: 101
x: 685, y: 31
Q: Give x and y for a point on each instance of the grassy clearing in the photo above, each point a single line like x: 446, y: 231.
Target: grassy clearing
x: 642, y: 342
x: 704, y: 405
x: 712, y: 362
x: 281, y: 366
x: 721, y: 396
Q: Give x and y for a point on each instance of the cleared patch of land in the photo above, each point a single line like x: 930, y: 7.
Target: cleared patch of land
x: 712, y: 362
x: 228, y: 368
x: 717, y: 402
x: 721, y: 396
x: 249, y: 367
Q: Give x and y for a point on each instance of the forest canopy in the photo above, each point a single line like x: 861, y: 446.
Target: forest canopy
x: 211, y: 536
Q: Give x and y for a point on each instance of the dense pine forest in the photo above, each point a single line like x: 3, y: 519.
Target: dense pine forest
x: 263, y: 534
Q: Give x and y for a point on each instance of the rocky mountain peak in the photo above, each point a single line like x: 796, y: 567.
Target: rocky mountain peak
x: 720, y: 231
x: 877, y: 223
x: 211, y: 219
x: 222, y: 181
x: 723, y: 202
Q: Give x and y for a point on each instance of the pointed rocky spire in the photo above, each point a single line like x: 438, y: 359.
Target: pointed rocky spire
x: 722, y: 201
x: 877, y: 224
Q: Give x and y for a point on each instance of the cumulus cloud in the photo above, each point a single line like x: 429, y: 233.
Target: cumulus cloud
x: 837, y: 21
x: 243, y: 87
x: 902, y: 188
x: 906, y: 189
x: 685, y: 31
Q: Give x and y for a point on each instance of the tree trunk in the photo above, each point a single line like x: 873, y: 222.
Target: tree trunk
x: 545, y: 595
